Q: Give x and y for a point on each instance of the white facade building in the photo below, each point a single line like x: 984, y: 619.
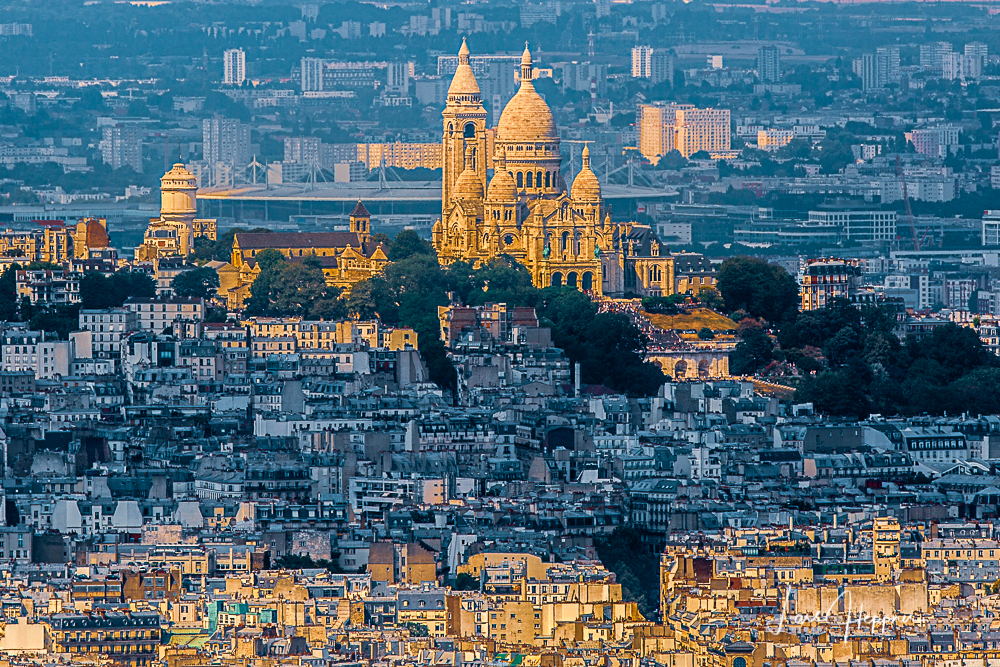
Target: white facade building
x: 234, y: 67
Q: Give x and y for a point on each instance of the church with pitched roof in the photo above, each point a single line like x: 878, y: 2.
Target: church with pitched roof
x: 346, y: 258
x: 562, y: 236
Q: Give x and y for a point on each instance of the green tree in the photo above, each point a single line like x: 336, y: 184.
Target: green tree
x: 706, y: 334
x: 755, y: 351
x: 759, y: 288
x: 958, y: 350
x: 57, y: 319
x: 672, y: 160
x: 407, y: 244
x: 501, y: 280
x: 408, y: 293
x: 711, y: 298
x: 626, y: 554
x: 466, y: 582
x: 8, y: 293
x: 202, y: 282
x: 90, y: 99
x: 977, y: 391
x: 98, y: 291
x: 842, y: 346
x: 287, y: 289
x: 836, y: 393
x: 613, y: 356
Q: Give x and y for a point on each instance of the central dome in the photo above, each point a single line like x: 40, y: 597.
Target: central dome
x: 526, y: 118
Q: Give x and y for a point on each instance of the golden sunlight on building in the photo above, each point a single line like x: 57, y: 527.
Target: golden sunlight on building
x: 525, y: 211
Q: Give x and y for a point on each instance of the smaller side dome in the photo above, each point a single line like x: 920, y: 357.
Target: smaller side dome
x: 97, y: 235
x: 586, y: 187
x: 468, y: 186
x: 502, y: 187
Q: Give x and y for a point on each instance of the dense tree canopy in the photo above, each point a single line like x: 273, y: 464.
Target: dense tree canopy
x: 98, y: 291
x: 764, y: 290
x: 636, y: 569
x: 853, y: 361
x: 291, y: 289
x: 869, y: 370
x: 202, y: 282
x: 407, y: 244
x: 8, y: 294
x: 752, y: 353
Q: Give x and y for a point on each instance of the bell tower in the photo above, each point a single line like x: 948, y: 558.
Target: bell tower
x: 361, y: 222
x: 464, y: 126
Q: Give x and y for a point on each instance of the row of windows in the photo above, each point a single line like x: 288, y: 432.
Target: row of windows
x: 534, y: 179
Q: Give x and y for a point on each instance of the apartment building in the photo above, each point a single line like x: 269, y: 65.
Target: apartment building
x: 702, y: 130
x: 657, y: 125
x: 50, y: 242
x: 234, y: 63
x: 28, y: 351
x: 682, y: 127
x: 823, y: 280
x: 48, y: 286
x: 121, y: 146
x: 108, y: 328
x: 156, y: 314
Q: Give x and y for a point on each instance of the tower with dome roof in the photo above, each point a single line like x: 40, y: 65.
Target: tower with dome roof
x: 174, y: 232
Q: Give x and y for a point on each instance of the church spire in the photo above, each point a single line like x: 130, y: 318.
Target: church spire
x: 526, y: 64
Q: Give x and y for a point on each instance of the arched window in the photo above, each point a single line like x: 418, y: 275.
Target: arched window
x: 530, y: 178
x: 548, y: 179
x: 538, y: 179
x: 565, y: 241
x: 520, y: 180
x: 470, y: 131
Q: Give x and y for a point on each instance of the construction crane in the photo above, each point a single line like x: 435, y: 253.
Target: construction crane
x: 906, y: 200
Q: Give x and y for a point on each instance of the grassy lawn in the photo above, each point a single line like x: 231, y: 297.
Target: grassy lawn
x: 695, y: 319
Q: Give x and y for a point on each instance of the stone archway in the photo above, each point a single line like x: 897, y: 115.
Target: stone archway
x: 557, y: 279
x: 571, y: 279
x: 588, y: 281
x: 690, y: 365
